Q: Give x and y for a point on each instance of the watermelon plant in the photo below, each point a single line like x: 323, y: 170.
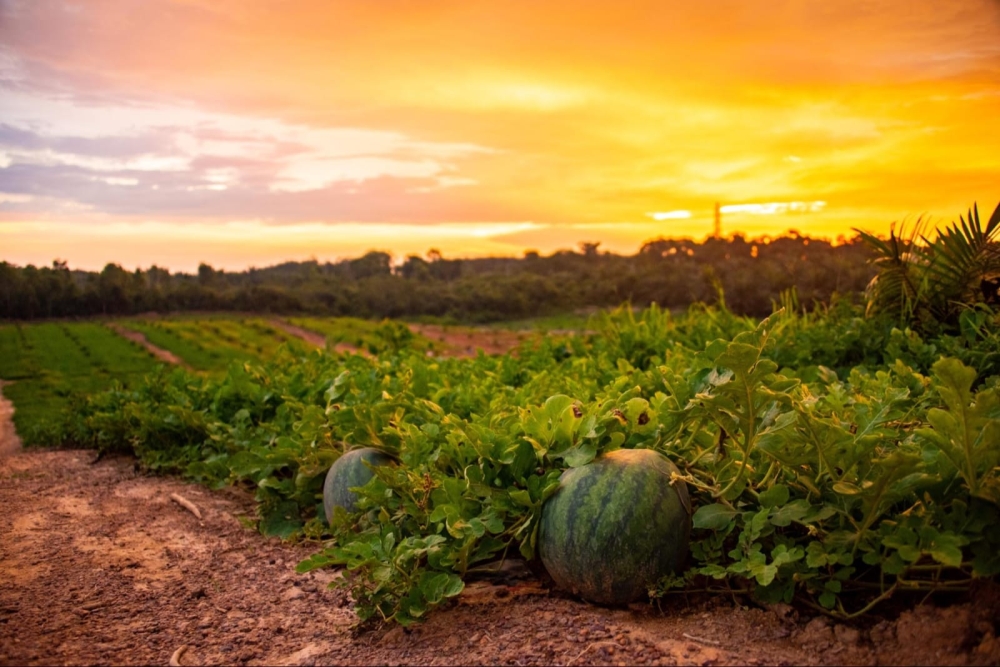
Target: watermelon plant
x: 831, y: 460
x: 352, y: 469
x: 616, y: 526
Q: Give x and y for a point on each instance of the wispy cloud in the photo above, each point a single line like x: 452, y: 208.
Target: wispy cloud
x: 171, y: 157
x: 670, y: 215
x: 775, y: 207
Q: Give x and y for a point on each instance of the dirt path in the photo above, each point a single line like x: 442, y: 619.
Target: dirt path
x: 317, y: 339
x: 136, y: 337
x: 465, y: 341
x: 10, y: 443
x: 454, y: 341
x: 99, y: 565
x: 310, y: 337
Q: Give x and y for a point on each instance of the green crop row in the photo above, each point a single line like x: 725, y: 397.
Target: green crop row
x: 51, y: 366
x: 55, y: 364
x: 832, y: 459
x: 365, y: 335
x: 210, y: 344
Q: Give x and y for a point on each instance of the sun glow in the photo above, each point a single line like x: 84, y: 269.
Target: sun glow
x: 777, y: 207
x: 400, y: 124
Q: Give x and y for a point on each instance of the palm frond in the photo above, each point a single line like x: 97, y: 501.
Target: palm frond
x: 961, y: 256
x: 897, y: 286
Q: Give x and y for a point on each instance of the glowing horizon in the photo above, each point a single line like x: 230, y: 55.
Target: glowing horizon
x: 238, y: 134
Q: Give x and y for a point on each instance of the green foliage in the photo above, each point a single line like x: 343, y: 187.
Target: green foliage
x: 930, y: 283
x: 212, y: 343
x: 671, y: 273
x: 835, y: 484
x: 50, y: 368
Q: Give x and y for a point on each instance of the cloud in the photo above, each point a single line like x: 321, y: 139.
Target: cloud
x: 774, y: 208
x: 183, y: 161
x: 563, y: 113
x: 670, y: 215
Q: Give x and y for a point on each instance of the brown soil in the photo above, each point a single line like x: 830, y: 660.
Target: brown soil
x: 465, y: 341
x: 99, y: 565
x: 9, y: 441
x: 449, y: 341
x: 158, y: 352
x: 310, y: 337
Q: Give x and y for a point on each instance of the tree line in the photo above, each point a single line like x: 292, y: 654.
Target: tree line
x: 673, y: 273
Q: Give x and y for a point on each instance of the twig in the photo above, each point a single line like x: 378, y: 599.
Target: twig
x: 590, y: 646
x: 186, y: 504
x: 175, y: 659
x: 700, y: 640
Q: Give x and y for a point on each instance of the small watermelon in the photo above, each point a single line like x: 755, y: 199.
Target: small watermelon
x: 350, y: 471
x: 615, y: 526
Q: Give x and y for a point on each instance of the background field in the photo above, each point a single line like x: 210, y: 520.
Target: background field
x: 46, y: 366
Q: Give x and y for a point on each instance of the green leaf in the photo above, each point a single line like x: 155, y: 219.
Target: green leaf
x: 281, y: 521
x: 713, y: 517
x: 801, y: 511
x: 967, y: 432
x: 433, y: 585
x: 775, y: 496
x: 847, y: 489
x: 522, y: 497
x: 581, y: 455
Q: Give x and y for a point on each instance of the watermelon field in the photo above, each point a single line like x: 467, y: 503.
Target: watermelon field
x: 819, y: 485
x: 52, y: 366
x: 830, y: 461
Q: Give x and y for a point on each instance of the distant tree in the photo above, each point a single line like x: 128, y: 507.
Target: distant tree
x: 113, y: 289
x: 206, y: 275
x: 374, y: 263
x: 415, y: 268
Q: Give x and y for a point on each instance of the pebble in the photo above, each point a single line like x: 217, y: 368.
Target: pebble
x: 293, y: 593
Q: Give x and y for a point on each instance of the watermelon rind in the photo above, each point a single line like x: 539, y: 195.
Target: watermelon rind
x: 350, y: 471
x: 615, y: 526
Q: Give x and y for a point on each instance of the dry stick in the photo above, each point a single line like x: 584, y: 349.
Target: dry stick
x: 175, y: 659
x: 590, y: 646
x: 186, y: 504
x: 700, y: 640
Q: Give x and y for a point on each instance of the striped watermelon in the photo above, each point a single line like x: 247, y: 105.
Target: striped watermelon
x: 349, y: 471
x: 615, y: 526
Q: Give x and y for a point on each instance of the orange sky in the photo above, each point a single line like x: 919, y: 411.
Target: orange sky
x: 179, y: 131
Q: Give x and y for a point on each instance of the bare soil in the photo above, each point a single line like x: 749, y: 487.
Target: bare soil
x: 9, y: 441
x: 466, y: 341
x: 100, y: 564
x: 450, y: 341
x: 311, y: 337
x: 317, y: 339
x: 158, y: 352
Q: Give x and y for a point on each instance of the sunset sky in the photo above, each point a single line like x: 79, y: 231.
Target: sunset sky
x: 240, y: 133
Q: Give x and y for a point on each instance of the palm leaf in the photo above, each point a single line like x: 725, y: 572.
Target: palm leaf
x: 897, y: 287
x: 960, y: 258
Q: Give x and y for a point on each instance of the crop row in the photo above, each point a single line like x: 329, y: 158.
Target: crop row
x: 51, y: 364
x: 54, y: 364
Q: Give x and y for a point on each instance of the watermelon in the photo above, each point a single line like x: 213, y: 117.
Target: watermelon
x: 615, y: 526
x: 349, y: 471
